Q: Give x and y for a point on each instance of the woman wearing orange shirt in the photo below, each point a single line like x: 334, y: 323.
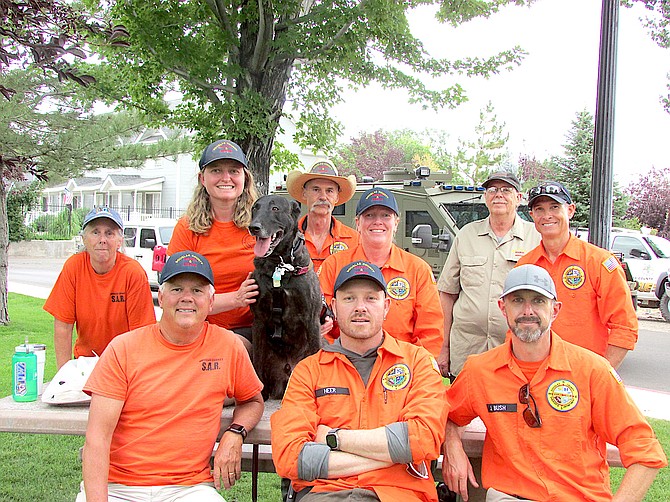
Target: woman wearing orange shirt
x: 215, y: 225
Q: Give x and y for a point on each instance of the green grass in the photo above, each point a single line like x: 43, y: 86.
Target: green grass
x: 51, y: 463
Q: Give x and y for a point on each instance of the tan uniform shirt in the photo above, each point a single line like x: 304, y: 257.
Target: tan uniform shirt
x: 475, y: 270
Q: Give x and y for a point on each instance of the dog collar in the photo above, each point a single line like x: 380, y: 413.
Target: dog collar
x: 282, y: 268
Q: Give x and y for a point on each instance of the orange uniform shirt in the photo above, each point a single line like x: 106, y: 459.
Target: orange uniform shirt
x: 340, y: 238
x: 101, y: 306
x: 404, y: 386
x: 415, y: 315
x: 597, y: 308
x: 230, y: 251
x: 173, y: 396
x: 583, y: 405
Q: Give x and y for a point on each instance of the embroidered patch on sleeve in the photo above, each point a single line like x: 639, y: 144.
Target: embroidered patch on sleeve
x: 611, y: 264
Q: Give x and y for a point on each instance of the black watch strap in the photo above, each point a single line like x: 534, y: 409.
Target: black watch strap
x: 238, y: 429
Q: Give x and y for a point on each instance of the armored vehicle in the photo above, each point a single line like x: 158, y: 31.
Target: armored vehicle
x: 432, y: 210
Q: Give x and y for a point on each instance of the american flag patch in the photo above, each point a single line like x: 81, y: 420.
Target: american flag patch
x: 611, y: 264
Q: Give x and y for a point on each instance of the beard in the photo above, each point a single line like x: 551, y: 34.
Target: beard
x: 530, y: 334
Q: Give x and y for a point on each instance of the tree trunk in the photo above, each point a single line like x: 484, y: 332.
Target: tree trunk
x: 4, y: 250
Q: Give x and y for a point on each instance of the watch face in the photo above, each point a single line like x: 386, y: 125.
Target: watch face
x: 239, y: 429
x: 331, y: 440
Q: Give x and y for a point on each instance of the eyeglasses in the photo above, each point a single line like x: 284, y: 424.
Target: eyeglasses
x: 502, y: 190
x: 546, y: 189
x: 531, y: 416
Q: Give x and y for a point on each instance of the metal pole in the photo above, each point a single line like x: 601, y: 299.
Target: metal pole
x: 602, y: 174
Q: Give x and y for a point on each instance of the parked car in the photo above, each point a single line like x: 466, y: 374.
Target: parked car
x: 140, y: 239
x: 648, y: 257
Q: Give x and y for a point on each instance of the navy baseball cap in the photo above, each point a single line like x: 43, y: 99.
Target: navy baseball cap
x: 377, y: 197
x: 103, y: 212
x: 222, y: 149
x: 359, y: 270
x: 529, y: 277
x: 186, y: 262
x: 552, y: 189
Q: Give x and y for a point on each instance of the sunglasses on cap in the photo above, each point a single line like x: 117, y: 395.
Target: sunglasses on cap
x: 549, y: 189
x: 531, y: 416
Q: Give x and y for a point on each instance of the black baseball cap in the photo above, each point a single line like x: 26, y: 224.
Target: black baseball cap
x: 377, y: 197
x: 359, y: 270
x: 187, y: 262
x: 222, y: 149
x: 552, y: 189
x: 505, y: 176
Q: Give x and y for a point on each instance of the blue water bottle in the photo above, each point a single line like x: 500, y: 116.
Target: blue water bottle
x: 24, y: 374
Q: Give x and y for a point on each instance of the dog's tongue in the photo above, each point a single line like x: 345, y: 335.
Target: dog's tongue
x: 262, y: 246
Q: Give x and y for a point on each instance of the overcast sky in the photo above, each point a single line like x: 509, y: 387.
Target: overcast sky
x: 538, y: 100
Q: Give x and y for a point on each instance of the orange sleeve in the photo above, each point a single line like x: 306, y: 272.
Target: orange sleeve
x: 182, y: 238
x: 616, y: 308
x: 139, y: 302
x: 296, y: 422
x: 426, y: 409
x: 61, y: 301
x: 429, y: 324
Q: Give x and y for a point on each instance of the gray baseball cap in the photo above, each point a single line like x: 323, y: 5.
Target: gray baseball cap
x: 505, y: 176
x: 529, y: 277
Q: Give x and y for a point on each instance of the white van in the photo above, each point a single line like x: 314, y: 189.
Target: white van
x: 648, y: 257
x: 141, y: 237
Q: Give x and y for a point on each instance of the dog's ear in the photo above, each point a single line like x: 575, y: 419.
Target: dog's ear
x: 295, y: 210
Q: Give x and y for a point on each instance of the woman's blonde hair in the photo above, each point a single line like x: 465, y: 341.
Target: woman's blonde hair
x: 199, y: 211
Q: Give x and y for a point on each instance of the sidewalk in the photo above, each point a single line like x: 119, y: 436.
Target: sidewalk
x: 652, y: 403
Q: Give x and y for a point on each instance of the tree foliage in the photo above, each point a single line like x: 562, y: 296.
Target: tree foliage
x: 532, y: 171
x: 657, y: 22
x: 575, y: 169
x: 650, y: 200
x: 370, y: 154
x: 476, y: 158
x: 240, y: 65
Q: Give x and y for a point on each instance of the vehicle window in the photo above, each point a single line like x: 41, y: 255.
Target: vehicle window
x: 129, y: 234
x: 624, y: 244
x: 145, y: 234
x: 339, y: 210
x: 414, y: 218
x: 659, y: 245
x: 166, y: 234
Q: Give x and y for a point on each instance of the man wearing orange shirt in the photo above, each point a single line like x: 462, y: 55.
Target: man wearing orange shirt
x: 549, y: 408
x: 321, y: 189
x: 363, y: 417
x: 156, y: 399
x: 597, y: 312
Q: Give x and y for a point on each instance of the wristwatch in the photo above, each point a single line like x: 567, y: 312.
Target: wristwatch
x: 332, y: 440
x: 238, y: 429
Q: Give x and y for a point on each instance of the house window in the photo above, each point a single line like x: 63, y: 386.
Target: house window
x: 152, y: 202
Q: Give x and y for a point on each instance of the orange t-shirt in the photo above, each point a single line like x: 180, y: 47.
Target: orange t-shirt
x: 173, y: 396
x: 101, y: 306
x: 230, y: 251
x: 415, y: 315
x: 340, y: 238
x: 597, y: 310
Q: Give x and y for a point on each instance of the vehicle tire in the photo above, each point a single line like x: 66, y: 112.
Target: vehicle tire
x: 665, y: 306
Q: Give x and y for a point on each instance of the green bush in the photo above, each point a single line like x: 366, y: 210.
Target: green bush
x: 18, y: 202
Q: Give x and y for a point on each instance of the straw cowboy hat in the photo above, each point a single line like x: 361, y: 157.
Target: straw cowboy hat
x: 295, y: 181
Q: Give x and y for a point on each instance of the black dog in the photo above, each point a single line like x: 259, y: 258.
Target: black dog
x: 286, y: 312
